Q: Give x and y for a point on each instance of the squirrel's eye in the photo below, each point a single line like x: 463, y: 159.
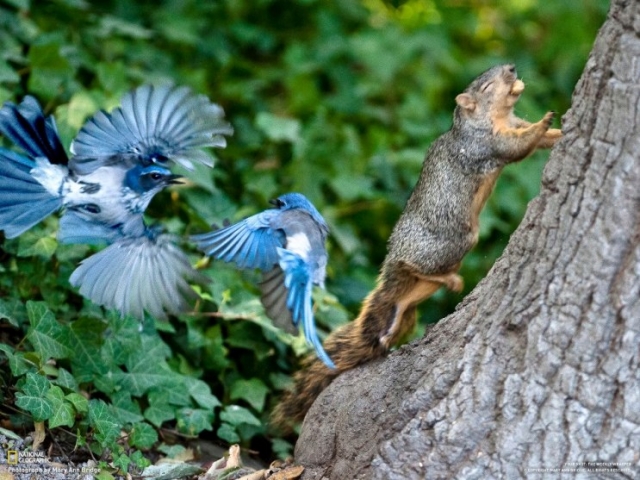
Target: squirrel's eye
x: 486, y: 86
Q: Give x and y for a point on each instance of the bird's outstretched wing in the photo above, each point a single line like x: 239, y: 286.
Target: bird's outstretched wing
x: 298, y: 283
x: 134, y: 275
x: 26, y: 125
x: 250, y: 243
x: 152, y: 125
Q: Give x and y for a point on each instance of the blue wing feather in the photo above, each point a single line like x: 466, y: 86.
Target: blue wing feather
x: 138, y: 274
x: 26, y: 126
x: 298, y: 282
x: 250, y: 243
x: 152, y: 122
x: 24, y: 202
x: 74, y: 228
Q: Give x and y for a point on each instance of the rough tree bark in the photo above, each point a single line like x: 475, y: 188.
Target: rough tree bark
x: 538, y: 366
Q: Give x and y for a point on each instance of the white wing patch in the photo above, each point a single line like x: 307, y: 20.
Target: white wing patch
x: 299, y: 244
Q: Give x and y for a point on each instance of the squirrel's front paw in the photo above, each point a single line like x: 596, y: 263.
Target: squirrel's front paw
x: 454, y: 283
x: 550, y: 138
x: 547, y: 120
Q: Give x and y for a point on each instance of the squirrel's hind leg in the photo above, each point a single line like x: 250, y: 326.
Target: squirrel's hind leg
x: 404, y: 314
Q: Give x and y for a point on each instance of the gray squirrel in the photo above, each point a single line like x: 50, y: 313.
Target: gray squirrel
x: 438, y: 226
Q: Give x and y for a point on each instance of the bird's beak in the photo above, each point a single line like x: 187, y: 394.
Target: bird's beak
x: 175, y: 179
x: 274, y: 202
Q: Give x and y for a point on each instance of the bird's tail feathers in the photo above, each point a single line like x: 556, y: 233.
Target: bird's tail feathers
x: 24, y: 201
x: 297, y: 280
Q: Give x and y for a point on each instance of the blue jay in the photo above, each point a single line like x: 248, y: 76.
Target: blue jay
x: 141, y: 269
x: 287, y: 244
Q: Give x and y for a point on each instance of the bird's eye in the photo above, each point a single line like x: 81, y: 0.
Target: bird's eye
x: 91, y: 208
x: 156, y: 176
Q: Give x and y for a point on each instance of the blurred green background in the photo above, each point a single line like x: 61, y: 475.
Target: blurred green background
x: 337, y: 100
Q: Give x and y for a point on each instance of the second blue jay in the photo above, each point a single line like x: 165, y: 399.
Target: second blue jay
x: 287, y: 244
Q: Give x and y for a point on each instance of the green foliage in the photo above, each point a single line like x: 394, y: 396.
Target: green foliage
x: 337, y: 100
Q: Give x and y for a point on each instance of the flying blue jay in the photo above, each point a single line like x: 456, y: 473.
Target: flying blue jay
x: 141, y: 269
x: 287, y: 244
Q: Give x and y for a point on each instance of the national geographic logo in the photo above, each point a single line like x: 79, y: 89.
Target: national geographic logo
x: 36, y: 463
x: 12, y: 457
x: 15, y: 457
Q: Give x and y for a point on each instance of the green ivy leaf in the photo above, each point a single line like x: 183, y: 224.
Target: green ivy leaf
x: 63, y: 412
x: 12, y: 311
x: 254, y: 391
x: 7, y: 350
x: 47, y: 336
x: 228, y: 433
x: 143, y: 436
x: 85, y: 339
x: 31, y: 245
x: 115, y: 26
x: 282, y: 448
x: 236, y: 415
x: 158, y: 413
x: 80, y: 403
x: 350, y: 188
x: 193, y: 421
x: 171, y: 451
x: 278, y: 128
x: 121, y: 461
x: 201, y: 393
x: 121, y: 339
x: 49, y: 69
x: 66, y: 380
x: 171, y: 396
x: 33, y: 397
x: 20, y: 363
x: 215, y: 349
x: 106, y: 426
x: 140, y: 460
x: 147, y: 368
x: 124, y: 409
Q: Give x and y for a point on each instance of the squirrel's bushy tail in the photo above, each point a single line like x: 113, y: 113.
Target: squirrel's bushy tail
x: 352, y: 344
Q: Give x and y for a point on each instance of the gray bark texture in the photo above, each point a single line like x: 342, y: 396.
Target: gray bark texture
x: 536, y: 373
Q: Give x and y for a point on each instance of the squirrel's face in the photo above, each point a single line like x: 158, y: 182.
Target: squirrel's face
x: 493, y: 94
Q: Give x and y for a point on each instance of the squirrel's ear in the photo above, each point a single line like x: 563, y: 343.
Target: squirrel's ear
x: 466, y: 101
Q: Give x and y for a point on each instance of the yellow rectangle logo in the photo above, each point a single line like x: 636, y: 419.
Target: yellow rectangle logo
x: 12, y: 457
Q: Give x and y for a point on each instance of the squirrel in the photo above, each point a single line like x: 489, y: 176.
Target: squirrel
x: 438, y: 226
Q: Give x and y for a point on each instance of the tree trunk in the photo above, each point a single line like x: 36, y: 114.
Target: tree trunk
x: 537, y: 370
